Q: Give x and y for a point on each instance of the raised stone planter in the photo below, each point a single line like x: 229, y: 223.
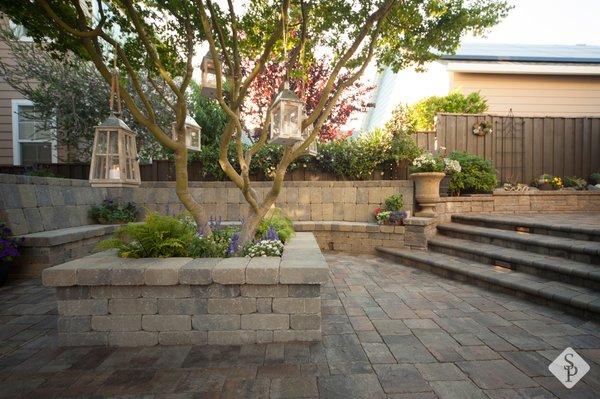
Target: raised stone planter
x: 107, y: 300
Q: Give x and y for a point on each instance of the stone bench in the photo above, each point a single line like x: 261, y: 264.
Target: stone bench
x: 364, y: 237
x: 48, y: 248
x: 107, y: 300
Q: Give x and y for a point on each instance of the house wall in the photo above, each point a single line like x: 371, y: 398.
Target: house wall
x: 7, y: 94
x: 539, y: 95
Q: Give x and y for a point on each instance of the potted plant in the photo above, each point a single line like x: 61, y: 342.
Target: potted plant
x: 427, y: 170
x: 8, y: 251
x: 391, y: 212
x: 112, y: 212
x: 548, y: 182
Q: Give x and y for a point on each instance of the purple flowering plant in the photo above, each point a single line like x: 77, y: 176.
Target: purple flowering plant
x: 271, y: 234
x: 8, y: 244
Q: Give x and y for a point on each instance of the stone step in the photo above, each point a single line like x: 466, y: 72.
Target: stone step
x: 541, y: 224
x: 571, y: 298
x: 578, y: 250
x: 549, y: 267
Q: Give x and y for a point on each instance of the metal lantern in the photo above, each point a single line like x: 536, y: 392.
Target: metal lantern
x: 114, y: 156
x: 209, y: 77
x: 192, y: 133
x: 288, y: 113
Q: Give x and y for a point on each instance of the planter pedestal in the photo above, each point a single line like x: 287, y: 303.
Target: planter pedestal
x: 427, y: 192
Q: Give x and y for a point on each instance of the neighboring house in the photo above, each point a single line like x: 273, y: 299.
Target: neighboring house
x: 22, y: 142
x: 544, y: 80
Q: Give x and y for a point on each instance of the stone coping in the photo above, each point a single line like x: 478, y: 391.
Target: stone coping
x: 70, y: 234
x: 301, y: 263
x: 361, y: 227
x: 547, y: 192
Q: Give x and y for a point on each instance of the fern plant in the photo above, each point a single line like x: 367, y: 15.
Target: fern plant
x: 158, y: 237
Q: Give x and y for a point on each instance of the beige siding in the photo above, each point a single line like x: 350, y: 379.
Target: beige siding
x: 7, y: 93
x: 540, y: 95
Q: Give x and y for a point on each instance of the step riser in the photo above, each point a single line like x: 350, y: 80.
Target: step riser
x: 487, y: 285
x: 508, y: 243
x: 534, y: 230
x: 548, y: 274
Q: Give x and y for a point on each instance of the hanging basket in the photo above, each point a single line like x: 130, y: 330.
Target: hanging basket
x: 482, y: 128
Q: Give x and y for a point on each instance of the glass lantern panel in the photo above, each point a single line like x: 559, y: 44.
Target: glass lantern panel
x: 194, y: 138
x: 209, y: 78
x: 114, y: 168
x: 276, y: 124
x: 291, y: 127
x: 113, y: 143
x: 101, y: 142
x: 128, y: 169
x: 100, y: 167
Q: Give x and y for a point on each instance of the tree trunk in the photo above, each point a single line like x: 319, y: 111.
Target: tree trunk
x: 183, y: 192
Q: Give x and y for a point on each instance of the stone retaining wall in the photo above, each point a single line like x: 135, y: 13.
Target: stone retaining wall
x: 106, y: 300
x: 520, y: 202
x: 33, y: 204
x: 357, y: 237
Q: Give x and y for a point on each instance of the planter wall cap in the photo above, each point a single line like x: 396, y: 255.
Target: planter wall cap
x: 419, y: 221
x: 263, y: 270
x: 230, y: 271
x: 165, y: 271
x: 198, y: 271
x: 129, y: 271
x: 301, y: 263
x: 63, y: 275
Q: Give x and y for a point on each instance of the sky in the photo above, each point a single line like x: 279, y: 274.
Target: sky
x: 529, y: 22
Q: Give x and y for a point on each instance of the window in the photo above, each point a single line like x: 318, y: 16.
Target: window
x: 31, y: 143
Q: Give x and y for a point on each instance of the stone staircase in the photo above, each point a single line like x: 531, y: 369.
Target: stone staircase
x: 557, y: 264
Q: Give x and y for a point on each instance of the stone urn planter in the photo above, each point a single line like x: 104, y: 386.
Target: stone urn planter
x: 427, y: 191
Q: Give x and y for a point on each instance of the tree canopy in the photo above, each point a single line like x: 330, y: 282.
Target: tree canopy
x: 156, y: 42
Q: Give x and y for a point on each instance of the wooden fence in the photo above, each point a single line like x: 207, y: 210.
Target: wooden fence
x: 522, y: 148
x: 164, y: 170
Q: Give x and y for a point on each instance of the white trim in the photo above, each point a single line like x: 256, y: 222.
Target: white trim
x: 522, y: 68
x: 15, y: 104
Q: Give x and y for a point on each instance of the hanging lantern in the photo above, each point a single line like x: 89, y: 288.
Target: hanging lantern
x: 192, y: 133
x: 114, y: 155
x: 288, y: 113
x: 209, y: 77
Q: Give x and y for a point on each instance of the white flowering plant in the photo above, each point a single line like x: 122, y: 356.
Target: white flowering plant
x: 264, y: 248
x: 451, y: 166
x: 427, y: 162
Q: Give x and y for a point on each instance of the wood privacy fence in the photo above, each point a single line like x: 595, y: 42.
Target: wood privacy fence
x: 164, y: 170
x: 522, y: 148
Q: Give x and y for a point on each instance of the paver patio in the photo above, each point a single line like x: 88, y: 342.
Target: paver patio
x: 388, y: 331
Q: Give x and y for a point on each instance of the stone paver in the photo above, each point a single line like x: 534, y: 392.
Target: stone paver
x: 388, y: 331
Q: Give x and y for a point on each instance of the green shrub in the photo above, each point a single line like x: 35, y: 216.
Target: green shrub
x: 576, y: 182
x: 477, y: 175
x: 595, y: 178
x: 111, y: 211
x: 158, y: 237
x: 394, y: 202
x: 281, y: 223
x: 359, y: 158
x: 213, y: 246
x: 420, y: 116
